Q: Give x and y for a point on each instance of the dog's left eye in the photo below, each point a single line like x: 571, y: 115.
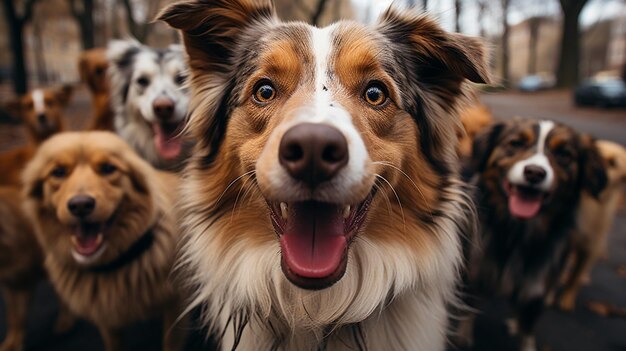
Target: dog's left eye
x: 180, y: 79
x: 264, y: 93
x: 375, y: 94
x: 59, y: 172
x: 107, y: 168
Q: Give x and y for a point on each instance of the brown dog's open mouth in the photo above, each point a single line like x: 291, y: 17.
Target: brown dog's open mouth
x: 314, y: 239
x: 167, y: 138
x: 524, y: 201
x: 88, y: 239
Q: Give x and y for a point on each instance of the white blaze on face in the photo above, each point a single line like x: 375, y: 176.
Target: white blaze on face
x: 38, y: 101
x: 539, y: 159
x: 327, y: 111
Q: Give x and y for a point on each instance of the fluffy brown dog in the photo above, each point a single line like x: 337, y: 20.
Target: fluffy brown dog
x: 41, y: 111
x: 93, y: 65
x: 595, y: 219
x: 104, y: 218
x: 21, y: 265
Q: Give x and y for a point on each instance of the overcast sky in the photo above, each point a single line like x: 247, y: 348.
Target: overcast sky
x: 444, y: 9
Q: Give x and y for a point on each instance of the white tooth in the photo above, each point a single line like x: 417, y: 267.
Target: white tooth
x: 283, y: 210
x: 346, y: 212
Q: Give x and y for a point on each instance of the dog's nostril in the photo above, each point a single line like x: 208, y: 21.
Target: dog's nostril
x: 81, y: 205
x: 313, y: 153
x: 41, y: 119
x: 534, y: 174
x: 293, y: 152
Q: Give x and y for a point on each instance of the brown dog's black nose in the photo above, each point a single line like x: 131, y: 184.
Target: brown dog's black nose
x: 163, y: 107
x: 313, y: 153
x: 41, y: 119
x: 534, y: 174
x: 81, y: 205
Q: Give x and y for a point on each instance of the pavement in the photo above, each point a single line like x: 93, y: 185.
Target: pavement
x: 582, y: 329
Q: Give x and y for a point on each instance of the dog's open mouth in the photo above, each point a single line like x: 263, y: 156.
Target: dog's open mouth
x: 314, y: 239
x: 168, y: 139
x: 88, y: 241
x: 524, y: 201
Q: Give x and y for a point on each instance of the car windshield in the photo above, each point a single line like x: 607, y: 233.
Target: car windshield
x: 613, y: 87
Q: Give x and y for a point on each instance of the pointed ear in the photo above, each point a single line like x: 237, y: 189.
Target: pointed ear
x: 63, y: 94
x: 592, y: 167
x: 483, y: 146
x: 432, y: 53
x: 14, y: 108
x: 210, y: 28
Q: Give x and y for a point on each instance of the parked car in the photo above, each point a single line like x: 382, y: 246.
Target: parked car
x: 536, y: 82
x: 601, y: 92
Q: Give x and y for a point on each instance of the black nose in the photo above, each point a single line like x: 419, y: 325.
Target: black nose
x: 41, y: 119
x: 534, y: 174
x: 163, y: 107
x: 81, y: 205
x: 313, y: 153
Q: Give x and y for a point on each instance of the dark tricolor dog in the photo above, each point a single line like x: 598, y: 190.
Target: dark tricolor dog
x: 530, y: 174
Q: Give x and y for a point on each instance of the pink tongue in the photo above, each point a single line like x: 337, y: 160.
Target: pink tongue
x: 523, y: 207
x: 87, y: 240
x: 168, y: 144
x: 313, y: 244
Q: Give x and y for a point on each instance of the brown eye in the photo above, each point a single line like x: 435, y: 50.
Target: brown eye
x: 264, y: 93
x: 107, y: 168
x: 375, y: 95
x: 59, y: 172
x: 143, y: 81
x: 612, y: 162
x: 517, y: 142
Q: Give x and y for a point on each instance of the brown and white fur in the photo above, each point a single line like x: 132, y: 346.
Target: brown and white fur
x: 103, y: 217
x: 530, y: 175
x: 41, y: 112
x: 93, y: 65
x: 21, y: 266
x: 594, y: 221
x: 474, y: 119
x: 383, y: 100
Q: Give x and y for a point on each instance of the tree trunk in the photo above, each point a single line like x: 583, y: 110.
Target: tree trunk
x: 16, y: 33
x: 38, y: 53
x: 457, y: 15
x: 319, y: 10
x: 533, y: 36
x: 505, y: 43
x: 138, y: 30
x: 569, y: 59
x: 87, y: 25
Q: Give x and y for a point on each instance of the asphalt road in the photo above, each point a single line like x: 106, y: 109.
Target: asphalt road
x: 557, y: 331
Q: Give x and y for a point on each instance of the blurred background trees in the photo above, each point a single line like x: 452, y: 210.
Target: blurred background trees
x: 568, y: 39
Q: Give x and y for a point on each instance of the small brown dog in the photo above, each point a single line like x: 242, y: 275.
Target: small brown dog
x: 21, y: 265
x: 41, y: 111
x: 104, y: 219
x: 595, y: 219
x: 93, y: 66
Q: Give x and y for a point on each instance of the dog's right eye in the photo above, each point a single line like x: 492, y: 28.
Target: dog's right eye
x: 59, y: 172
x: 515, y: 143
x: 264, y: 92
x: 107, y: 168
x: 143, y: 81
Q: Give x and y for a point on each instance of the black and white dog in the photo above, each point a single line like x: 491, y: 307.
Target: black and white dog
x: 149, y: 99
x: 530, y: 175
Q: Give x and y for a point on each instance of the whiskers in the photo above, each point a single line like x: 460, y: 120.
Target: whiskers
x: 378, y: 176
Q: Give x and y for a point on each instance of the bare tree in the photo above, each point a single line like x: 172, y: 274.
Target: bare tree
x: 16, y: 23
x: 533, y: 37
x: 567, y: 74
x: 482, y: 9
x: 139, y: 28
x: 83, y: 14
x: 458, y: 8
x: 505, y: 4
x: 315, y: 13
